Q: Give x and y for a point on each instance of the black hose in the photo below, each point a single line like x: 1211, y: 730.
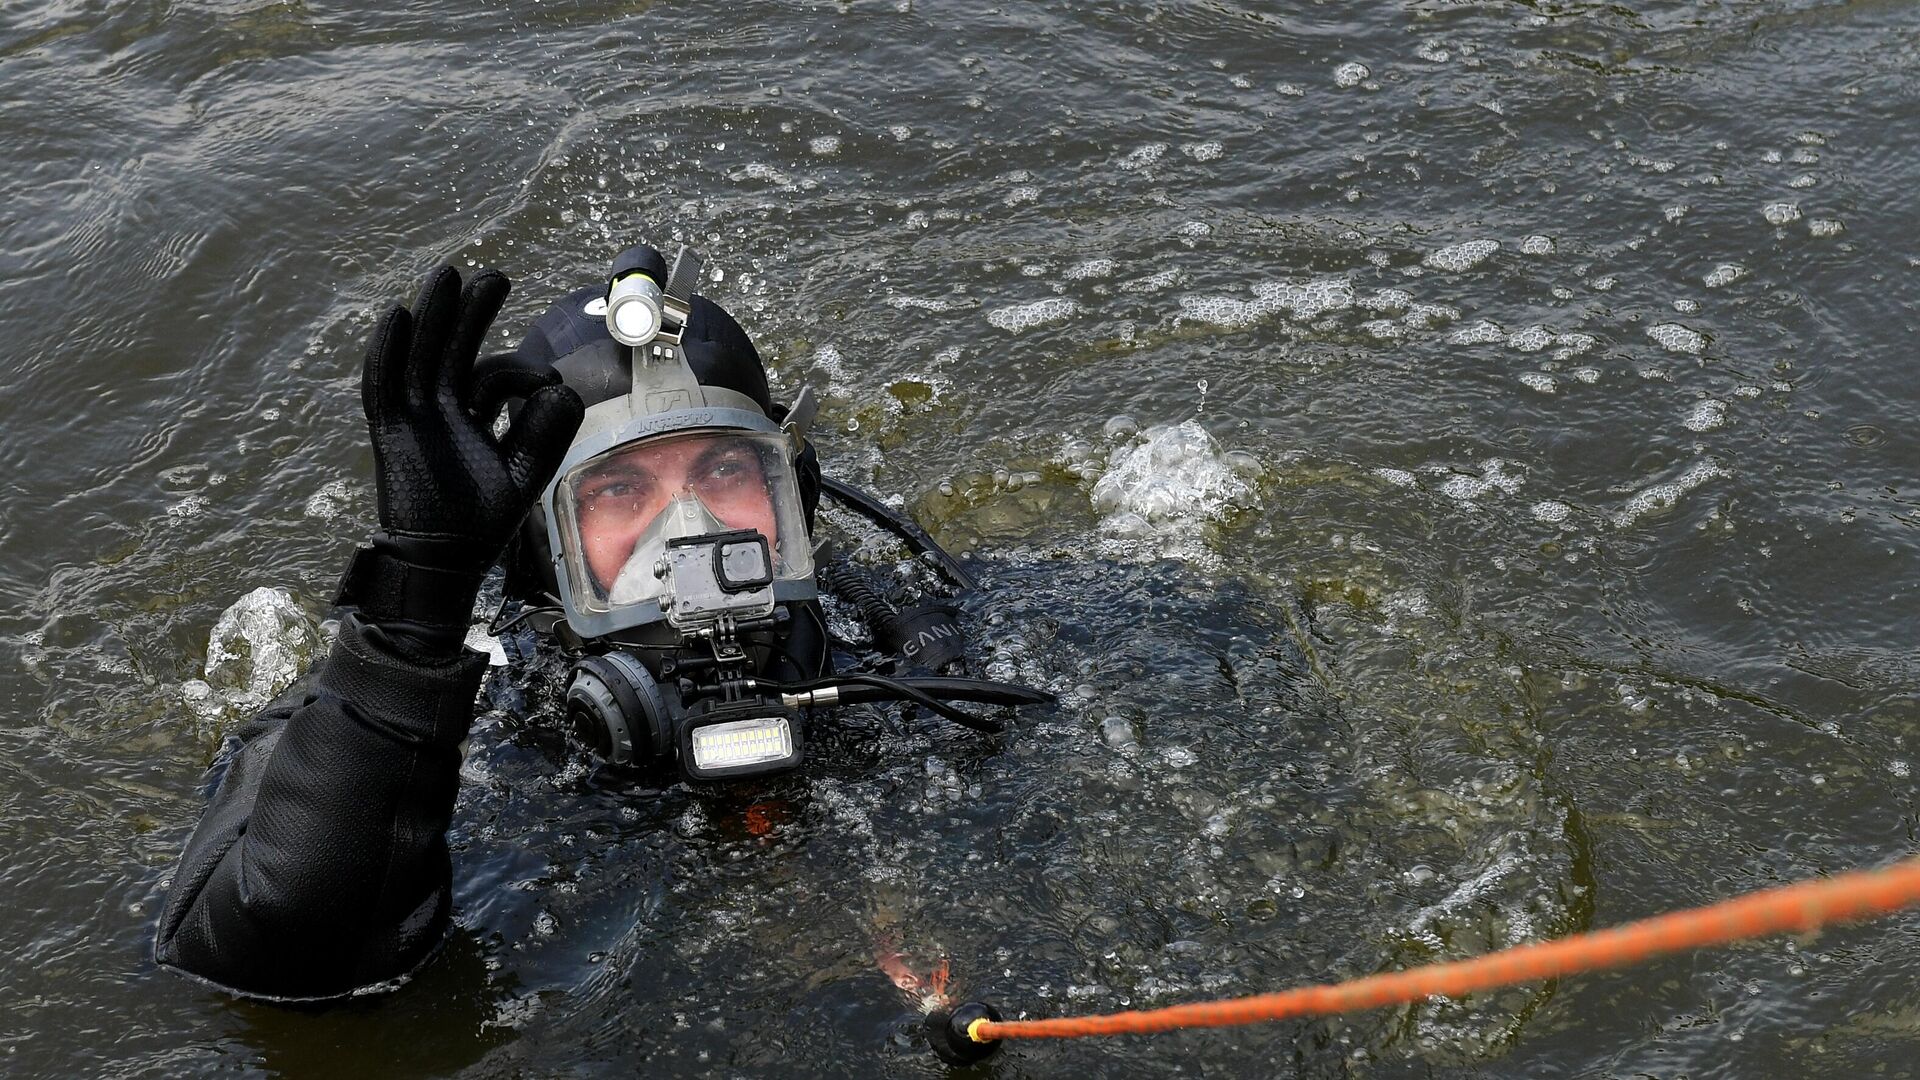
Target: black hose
x: 857, y: 687
x: 985, y: 691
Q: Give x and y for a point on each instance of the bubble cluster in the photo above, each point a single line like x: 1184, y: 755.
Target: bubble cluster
x: 1706, y: 415
x: 1092, y: 268
x: 1723, y: 275
x: 1296, y: 300
x: 1551, y: 511
x: 1532, y: 339
x: 1351, y: 73
x: 1463, y: 256
x: 1538, y: 380
x: 326, y: 504
x: 1493, y: 477
x: 1203, y: 151
x: 1537, y: 245
x: 1483, y: 332
x: 1142, y: 157
x: 1676, y: 338
x: 824, y: 145
x: 1027, y: 316
x: 1780, y: 213
x: 1665, y: 496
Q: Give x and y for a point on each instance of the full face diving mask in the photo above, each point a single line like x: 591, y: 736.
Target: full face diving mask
x: 679, y: 542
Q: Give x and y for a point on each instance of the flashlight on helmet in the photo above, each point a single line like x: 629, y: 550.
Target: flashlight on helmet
x: 636, y: 308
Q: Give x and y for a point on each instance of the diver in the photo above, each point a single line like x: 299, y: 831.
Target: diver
x: 653, y: 509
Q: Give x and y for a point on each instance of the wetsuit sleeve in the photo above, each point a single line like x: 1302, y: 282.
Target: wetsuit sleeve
x: 321, y: 865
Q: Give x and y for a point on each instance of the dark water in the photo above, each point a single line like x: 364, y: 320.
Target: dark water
x: 1407, y: 599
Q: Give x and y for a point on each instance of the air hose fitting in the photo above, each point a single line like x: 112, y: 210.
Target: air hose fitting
x: 947, y: 1033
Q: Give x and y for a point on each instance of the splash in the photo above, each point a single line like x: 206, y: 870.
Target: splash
x: 256, y: 649
x: 1163, y: 494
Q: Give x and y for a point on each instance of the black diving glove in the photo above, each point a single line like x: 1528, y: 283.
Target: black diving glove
x: 450, y: 494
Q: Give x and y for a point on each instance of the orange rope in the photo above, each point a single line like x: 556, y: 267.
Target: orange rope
x: 1801, y: 907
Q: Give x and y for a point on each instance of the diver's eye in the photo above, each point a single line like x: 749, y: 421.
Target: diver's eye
x: 620, y: 487
x: 731, y: 468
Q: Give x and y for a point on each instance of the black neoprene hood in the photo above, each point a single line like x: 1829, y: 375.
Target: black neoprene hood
x: 717, y: 349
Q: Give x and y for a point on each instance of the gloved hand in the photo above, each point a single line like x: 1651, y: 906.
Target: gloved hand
x: 450, y: 494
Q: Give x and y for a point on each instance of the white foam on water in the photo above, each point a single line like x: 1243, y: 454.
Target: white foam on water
x: 1428, y: 316
x: 1493, y: 477
x: 765, y: 173
x: 1161, y: 495
x: 1484, y: 332
x: 1381, y: 329
x: 1027, y: 316
x: 1143, y: 156
x: 1092, y: 268
x: 1462, y: 256
x: 1203, y: 151
x: 1352, y: 73
x: 1300, y: 301
x: 187, y: 507
x: 918, y: 303
x: 1396, y: 477
x: 917, y: 220
x: 1305, y: 300
x: 1706, y: 416
x: 1193, y: 229
x: 1804, y: 180
x: 824, y: 145
x: 1022, y: 195
x: 1538, y: 380
x: 1667, y: 495
x: 1685, y: 306
x: 1551, y: 511
x: 1825, y: 227
x: 326, y: 504
x: 1780, y: 213
x: 1724, y: 274
x: 900, y: 132
x: 1154, y: 282
x: 1676, y: 338
x: 1586, y: 374
x: 1532, y: 339
x: 1287, y: 89
x: 1386, y: 300
x: 1537, y: 245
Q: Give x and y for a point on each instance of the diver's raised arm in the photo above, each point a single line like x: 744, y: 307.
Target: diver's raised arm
x: 321, y: 865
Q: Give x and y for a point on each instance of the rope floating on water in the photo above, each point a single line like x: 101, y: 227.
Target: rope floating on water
x: 1801, y: 907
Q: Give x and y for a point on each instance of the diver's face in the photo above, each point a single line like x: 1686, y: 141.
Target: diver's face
x: 622, y: 496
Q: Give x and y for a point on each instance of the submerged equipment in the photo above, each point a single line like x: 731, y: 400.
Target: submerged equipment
x: 673, y: 552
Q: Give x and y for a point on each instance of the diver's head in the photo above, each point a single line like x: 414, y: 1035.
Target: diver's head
x: 681, y: 438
